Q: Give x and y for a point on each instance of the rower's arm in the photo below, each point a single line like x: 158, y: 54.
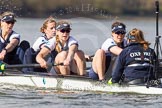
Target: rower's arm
x: 13, y: 43
x: 72, y: 49
x: 10, y: 46
x: 41, y: 55
x: 116, y: 50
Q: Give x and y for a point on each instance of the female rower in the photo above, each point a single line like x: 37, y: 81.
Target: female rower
x: 67, y: 48
x: 104, y: 57
x: 48, y: 30
x: 135, y: 61
x: 9, y: 39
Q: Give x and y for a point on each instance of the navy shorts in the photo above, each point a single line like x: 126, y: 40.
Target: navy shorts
x: 93, y: 75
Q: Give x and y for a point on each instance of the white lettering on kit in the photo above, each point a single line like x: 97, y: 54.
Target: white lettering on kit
x: 145, y: 59
x: 135, y: 54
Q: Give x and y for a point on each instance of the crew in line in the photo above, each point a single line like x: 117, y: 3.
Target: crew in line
x: 68, y: 52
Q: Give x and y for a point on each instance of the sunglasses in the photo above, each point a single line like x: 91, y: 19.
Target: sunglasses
x: 63, y: 31
x: 120, y: 32
x: 10, y: 22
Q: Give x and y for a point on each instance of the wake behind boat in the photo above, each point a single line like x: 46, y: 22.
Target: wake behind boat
x: 72, y: 83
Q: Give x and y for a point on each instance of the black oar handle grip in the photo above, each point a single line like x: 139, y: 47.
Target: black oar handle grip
x: 58, y: 64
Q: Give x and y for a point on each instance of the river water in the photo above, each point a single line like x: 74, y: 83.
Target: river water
x: 90, y: 33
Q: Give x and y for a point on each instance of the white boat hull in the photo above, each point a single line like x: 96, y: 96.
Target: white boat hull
x: 74, y: 84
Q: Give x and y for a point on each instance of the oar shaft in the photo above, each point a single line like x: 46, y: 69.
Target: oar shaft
x: 3, y: 66
x: 22, y: 66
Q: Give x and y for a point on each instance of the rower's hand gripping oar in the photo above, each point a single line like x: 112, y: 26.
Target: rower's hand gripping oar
x: 89, y: 58
x: 3, y: 66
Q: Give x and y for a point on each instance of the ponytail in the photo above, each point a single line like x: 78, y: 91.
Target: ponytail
x: 58, y: 49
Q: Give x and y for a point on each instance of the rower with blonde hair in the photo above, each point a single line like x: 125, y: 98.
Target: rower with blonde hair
x: 48, y: 31
x: 68, y: 53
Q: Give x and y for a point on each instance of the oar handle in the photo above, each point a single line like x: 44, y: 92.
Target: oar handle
x: 90, y: 58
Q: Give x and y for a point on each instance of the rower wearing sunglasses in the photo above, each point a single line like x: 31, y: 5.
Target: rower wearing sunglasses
x: 9, y: 40
x: 104, y: 57
x: 67, y: 48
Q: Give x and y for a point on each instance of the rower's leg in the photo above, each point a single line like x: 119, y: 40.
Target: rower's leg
x: 64, y: 70
x: 98, y: 63
x: 80, y: 62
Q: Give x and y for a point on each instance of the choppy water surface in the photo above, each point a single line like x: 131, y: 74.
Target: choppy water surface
x: 31, y: 97
x: 90, y: 33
